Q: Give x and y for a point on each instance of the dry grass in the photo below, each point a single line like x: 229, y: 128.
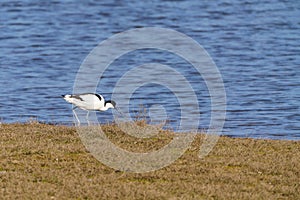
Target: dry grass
x: 41, y: 161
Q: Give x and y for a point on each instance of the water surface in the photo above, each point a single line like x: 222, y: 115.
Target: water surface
x: 255, y: 44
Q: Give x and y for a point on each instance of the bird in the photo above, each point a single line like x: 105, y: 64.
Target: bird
x: 88, y: 102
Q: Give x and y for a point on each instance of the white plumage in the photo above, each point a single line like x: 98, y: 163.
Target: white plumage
x: 88, y: 102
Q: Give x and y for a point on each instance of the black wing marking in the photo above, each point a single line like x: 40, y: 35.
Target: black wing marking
x: 75, y: 96
x: 99, y: 97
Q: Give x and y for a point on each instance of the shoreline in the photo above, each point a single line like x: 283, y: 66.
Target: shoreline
x: 246, y: 136
x: 50, y: 161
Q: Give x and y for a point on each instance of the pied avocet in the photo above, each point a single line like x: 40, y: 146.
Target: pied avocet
x: 89, y: 102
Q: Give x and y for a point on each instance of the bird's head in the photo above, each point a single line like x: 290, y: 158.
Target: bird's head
x: 109, y: 104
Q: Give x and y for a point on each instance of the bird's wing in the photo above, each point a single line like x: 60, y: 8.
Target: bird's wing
x: 88, y: 101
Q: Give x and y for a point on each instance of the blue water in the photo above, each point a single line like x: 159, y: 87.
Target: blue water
x: 255, y: 44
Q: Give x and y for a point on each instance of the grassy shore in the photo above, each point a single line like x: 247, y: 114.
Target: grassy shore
x: 40, y: 161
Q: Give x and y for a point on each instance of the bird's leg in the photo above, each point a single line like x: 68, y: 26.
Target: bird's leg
x: 76, y: 115
x: 87, y: 117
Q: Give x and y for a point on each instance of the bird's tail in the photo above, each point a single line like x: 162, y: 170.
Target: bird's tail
x: 68, y: 98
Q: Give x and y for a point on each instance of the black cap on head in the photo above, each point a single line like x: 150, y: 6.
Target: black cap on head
x: 112, y: 102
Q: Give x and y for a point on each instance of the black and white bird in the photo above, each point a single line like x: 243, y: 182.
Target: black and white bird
x: 88, y: 102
